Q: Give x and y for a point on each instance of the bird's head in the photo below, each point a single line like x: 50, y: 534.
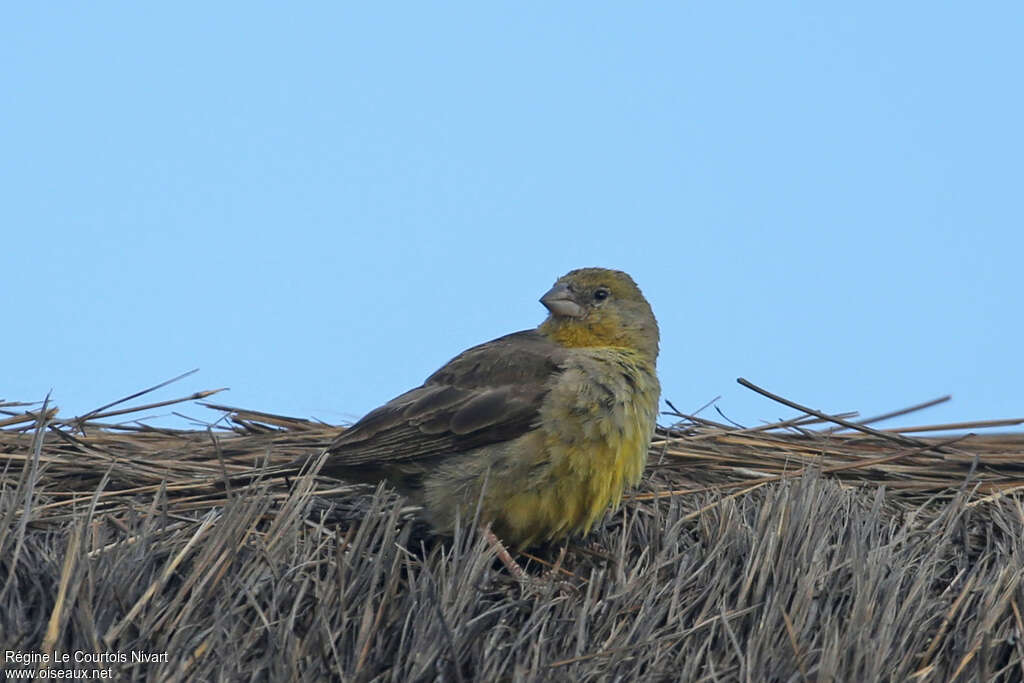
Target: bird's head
x: 594, y: 307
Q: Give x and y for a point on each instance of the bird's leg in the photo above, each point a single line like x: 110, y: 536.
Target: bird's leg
x: 505, y: 556
x: 556, y: 569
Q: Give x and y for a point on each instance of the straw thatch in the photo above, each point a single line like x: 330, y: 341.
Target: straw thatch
x: 818, y: 548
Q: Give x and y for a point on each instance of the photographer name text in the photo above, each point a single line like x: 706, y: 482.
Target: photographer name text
x: 84, y: 657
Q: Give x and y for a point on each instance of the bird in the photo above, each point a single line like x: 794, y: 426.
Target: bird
x: 538, y: 433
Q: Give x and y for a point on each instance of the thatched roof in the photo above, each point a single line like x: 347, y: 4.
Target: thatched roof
x: 820, y: 547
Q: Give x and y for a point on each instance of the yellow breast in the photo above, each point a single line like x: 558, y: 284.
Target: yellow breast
x: 595, y: 429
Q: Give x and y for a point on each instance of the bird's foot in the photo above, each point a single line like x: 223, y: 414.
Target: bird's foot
x: 555, y: 576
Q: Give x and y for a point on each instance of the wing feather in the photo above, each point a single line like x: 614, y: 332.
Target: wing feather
x: 487, y: 394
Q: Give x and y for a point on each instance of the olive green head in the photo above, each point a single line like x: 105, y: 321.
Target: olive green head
x: 595, y: 307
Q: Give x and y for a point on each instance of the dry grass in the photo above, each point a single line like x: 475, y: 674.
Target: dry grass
x: 813, y: 549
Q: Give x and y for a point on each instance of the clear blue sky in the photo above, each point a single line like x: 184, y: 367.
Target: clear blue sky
x: 318, y: 204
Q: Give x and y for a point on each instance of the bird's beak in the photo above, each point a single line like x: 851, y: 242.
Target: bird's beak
x: 561, y: 302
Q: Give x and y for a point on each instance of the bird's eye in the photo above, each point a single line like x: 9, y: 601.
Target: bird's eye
x: 601, y: 294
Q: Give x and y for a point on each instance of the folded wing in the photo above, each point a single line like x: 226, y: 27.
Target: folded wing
x: 487, y: 394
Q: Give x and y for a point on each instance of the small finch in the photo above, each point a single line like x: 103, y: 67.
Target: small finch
x: 543, y: 429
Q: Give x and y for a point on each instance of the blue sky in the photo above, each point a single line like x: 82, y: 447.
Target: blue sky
x: 318, y: 204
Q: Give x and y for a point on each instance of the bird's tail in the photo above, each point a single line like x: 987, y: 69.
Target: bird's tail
x: 306, y: 465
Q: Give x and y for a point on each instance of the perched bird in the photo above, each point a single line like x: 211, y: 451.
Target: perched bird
x: 543, y: 429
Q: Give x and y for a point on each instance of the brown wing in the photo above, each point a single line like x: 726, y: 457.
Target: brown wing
x: 487, y: 394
